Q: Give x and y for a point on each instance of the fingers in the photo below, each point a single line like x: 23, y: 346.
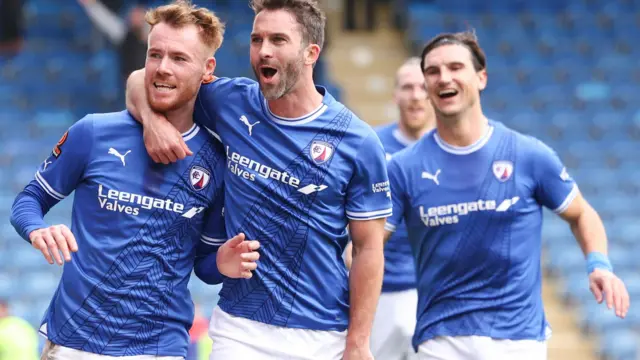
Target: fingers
x: 253, y: 245
x: 39, y: 243
x: 607, y: 288
x: 249, y: 266
x: 185, y: 148
x: 71, y: 240
x: 246, y: 274
x: 53, y: 247
x: 61, y: 242
x: 251, y: 256
x: 621, y: 298
x: 597, y: 293
x: 236, y: 240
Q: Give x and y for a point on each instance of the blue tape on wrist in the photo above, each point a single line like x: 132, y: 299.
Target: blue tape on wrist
x: 597, y: 260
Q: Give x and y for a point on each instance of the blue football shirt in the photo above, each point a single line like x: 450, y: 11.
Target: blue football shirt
x: 293, y: 184
x: 138, y: 226
x: 474, y: 219
x: 399, y: 268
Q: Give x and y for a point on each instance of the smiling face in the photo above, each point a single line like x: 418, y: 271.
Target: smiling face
x: 278, y: 53
x: 411, y: 97
x: 177, y: 63
x: 453, y: 84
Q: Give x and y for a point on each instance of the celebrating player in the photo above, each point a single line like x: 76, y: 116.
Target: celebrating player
x: 300, y: 168
x: 138, y: 225
x: 471, y: 194
x: 395, y: 317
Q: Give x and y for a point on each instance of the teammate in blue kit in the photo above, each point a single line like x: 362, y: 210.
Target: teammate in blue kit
x: 471, y: 194
x: 140, y: 227
x: 395, y: 317
x: 300, y: 168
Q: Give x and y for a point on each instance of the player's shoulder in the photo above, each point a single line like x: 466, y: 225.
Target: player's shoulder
x: 385, y: 130
x: 232, y: 84
x: 119, y: 120
x: 527, y: 143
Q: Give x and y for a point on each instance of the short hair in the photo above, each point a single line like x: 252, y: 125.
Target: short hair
x: 412, y: 61
x: 467, y: 39
x: 309, y: 16
x: 182, y: 13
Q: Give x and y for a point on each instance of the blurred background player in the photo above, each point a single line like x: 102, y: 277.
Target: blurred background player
x: 18, y: 339
x: 140, y: 227
x: 395, y: 318
x: 471, y: 194
x: 566, y: 72
x: 327, y: 170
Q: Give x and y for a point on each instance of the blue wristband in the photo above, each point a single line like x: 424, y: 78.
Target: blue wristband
x: 597, y: 260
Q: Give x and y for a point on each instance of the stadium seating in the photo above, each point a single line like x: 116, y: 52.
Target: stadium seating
x: 567, y: 72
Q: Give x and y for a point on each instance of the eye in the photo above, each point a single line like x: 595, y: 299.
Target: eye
x: 155, y: 55
x: 180, y: 58
x: 255, y: 40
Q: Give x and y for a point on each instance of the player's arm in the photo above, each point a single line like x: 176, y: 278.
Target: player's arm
x: 55, y: 179
x: 163, y: 141
x: 558, y: 191
x: 217, y: 257
x: 368, y: 204
x: 397, y: 197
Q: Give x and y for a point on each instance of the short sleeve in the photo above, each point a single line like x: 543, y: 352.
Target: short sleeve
x: 397, y: 195
x: 214, y: 233
x: 64, y: 169
x: 368, y: 193
x: 555, y: 189
x: 211, y: 95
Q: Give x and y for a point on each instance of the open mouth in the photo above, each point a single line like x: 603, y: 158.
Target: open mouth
x: 163, y: 86
x: 268, y: 72
x: 446, y: 94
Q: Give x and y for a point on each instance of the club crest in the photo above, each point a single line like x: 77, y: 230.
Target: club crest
x: 321, y: 151
x: 503, y: 170
x: 199, y: 178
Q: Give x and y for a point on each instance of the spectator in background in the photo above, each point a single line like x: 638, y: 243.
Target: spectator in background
x: 18, y: 339
x: 199, y: 340
x: 351, y: 11
x: 128, y: 36
x: 11, y: 26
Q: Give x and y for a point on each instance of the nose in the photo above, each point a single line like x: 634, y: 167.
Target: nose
x: 266, y: 50
x: 163, y: 67
x: 445, y: 76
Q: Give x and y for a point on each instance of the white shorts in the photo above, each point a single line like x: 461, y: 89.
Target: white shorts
x: 393, y: 325
x: 481, y: 348
x: 236, y: 338
x: 53, y: 351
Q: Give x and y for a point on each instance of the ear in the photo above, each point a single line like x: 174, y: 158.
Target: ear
x: 312, y: 53
x: 210, y: 67
x: 482, y: 79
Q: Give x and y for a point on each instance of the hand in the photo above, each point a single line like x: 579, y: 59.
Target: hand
x: 163, y: 141
x: 53, y: 240
x: 357, y: 352
x: 237, y: 258
x: 606, y: 286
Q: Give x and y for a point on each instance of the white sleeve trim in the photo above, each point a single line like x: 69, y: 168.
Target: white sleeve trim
x: 369, y: 215
x: 389, y: 227
x: 47, y: 188
x: 211, y: 241
x: 567, y: 201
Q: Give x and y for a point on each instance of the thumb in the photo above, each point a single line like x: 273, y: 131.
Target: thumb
x: 236, y: 240
x: 185, y: 147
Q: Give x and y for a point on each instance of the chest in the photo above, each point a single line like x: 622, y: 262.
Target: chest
x: 485, y: 189
x: 125, y: 181
x: 287, y: 163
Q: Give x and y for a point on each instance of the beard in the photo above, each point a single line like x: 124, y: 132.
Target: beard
x: 289, y: 76
x: 178, y: 99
